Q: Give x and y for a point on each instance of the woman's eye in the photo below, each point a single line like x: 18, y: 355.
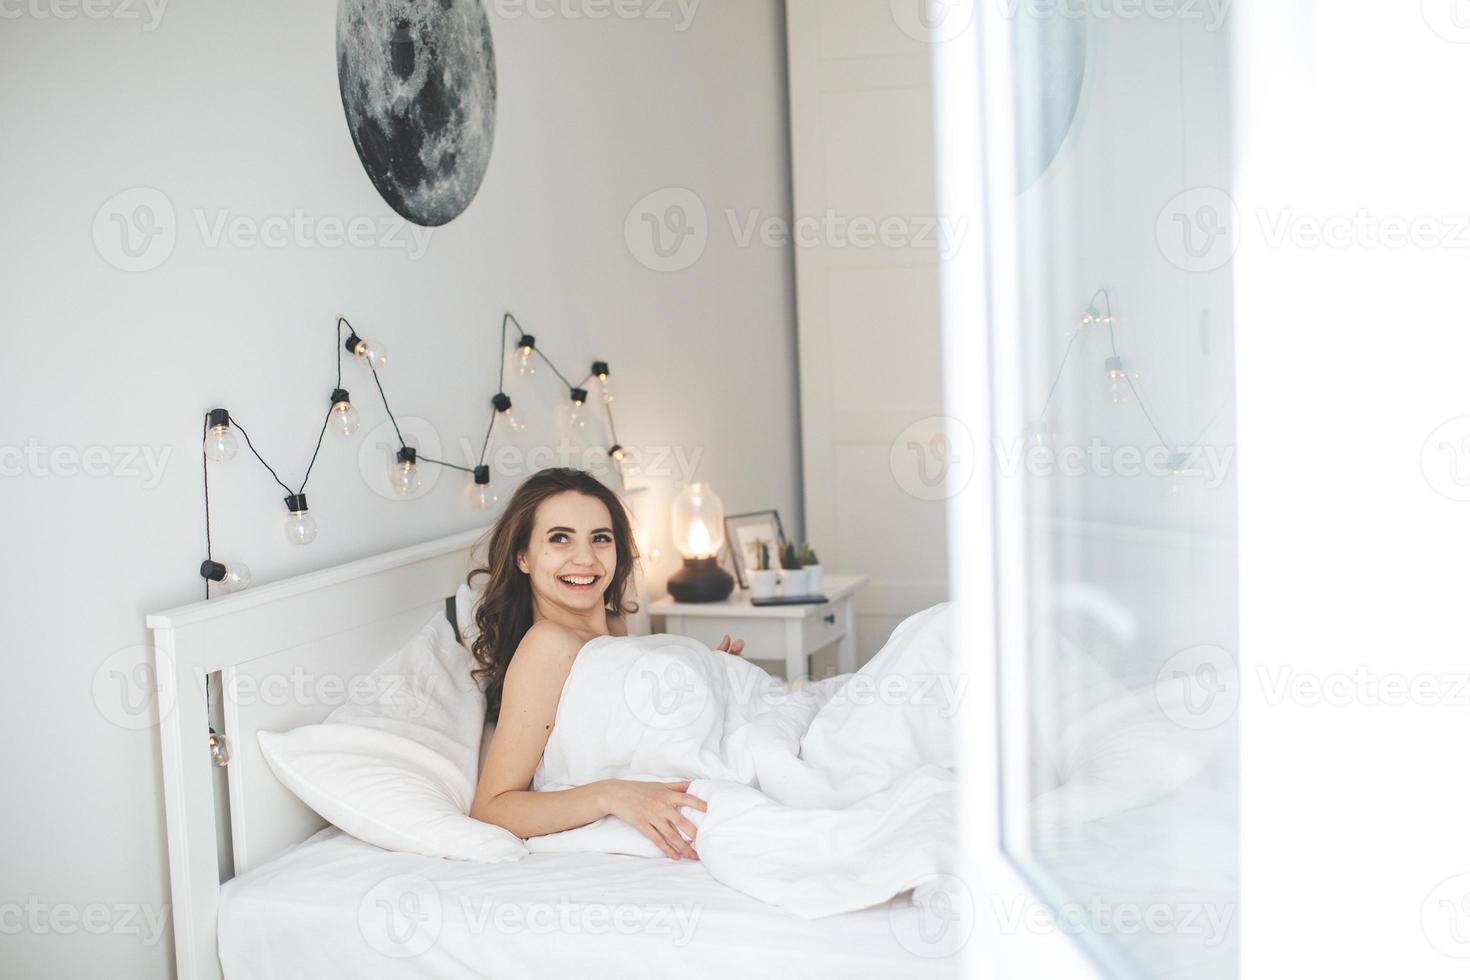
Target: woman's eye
x: 558, y: 538
x: 603, y: 539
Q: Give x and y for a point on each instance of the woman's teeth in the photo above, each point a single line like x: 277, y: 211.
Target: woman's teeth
x: 579, y: 580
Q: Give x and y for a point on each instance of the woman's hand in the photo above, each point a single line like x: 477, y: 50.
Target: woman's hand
x: 653, y: 810
x: 730, y: 647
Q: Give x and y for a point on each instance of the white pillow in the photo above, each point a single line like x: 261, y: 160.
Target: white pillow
x: 464, y: 614
x: 398, y: 769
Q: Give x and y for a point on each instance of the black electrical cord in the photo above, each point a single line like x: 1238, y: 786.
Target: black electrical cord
x: 208, y: 537
x: 338, y: 348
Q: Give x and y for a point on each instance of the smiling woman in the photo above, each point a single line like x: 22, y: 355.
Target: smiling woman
x: 559, y: 562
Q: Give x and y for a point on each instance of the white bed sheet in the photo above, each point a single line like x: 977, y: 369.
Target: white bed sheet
x: 334, y: 906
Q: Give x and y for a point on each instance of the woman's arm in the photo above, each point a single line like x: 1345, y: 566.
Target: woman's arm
x: 533, y: 686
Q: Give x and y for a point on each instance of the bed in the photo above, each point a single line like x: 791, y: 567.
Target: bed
x: 263, y: 888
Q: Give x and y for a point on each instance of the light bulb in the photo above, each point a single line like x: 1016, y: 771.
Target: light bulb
x: 300, y: 526
x: 576, y: 420
x: 403, y: 477
x: 600, y: 369
x: 527, y: 348
x: 230, y: 577
x: 1041, y: 433
x: 345, y: 418
x: 374, y: 353
x: 220, y: 444
x: 1178, y: 470
x: 1117, y: 380
x: 503, y: 405
x: 617, y: 453
x: 482, y: 494
x: 699, y: 538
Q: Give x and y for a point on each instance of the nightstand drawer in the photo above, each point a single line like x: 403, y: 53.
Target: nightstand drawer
x: 824, y: 626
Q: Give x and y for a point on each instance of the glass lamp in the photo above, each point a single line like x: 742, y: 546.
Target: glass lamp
x: 699, y: 531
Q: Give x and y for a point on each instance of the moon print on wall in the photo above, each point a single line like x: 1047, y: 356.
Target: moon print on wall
x: 418, y: 88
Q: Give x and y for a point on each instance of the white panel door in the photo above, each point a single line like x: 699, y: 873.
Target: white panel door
x: 868, y: 239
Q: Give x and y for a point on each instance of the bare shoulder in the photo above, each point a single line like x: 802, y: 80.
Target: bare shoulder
x: 547, y: 646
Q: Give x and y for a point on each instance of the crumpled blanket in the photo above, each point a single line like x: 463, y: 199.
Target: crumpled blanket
x: 822, y: 798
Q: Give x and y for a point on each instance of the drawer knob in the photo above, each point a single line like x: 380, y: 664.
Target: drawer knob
x: 830, y: 619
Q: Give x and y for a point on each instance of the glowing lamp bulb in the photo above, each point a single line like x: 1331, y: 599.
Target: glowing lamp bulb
x: 482, y: 495
x: 375, y: 354
x: 345, y: 418
x: 526, y: 349
x: 1117, y: 380
x: 403, y: 477
x: 220, y: 444
x: 300, y: 526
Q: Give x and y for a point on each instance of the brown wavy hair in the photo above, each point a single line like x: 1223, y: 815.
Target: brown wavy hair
x: 505, y: 611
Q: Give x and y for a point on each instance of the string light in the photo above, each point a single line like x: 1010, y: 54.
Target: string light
x: 405, y: 474
x: 344, y: 415
x: 300, y: 526
x: 220, y: 444
x: 575, y: 419
x: 482, y: 494
x: 600, y: 370
x: 230, y: 576
x: 526, y: 349
x: 503, y: 406
x: 1122, y: 388
x: 376, y: 355
x: 403, y: 477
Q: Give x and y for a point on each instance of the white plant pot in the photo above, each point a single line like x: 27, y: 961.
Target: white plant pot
x: 794, y: 581
x: 814, y: 579
x: 762, y: 583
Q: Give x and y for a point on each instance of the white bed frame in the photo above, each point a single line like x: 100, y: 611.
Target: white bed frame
x: 286, y: 654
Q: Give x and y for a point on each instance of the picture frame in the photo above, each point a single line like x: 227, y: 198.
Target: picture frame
x: 743, y: 532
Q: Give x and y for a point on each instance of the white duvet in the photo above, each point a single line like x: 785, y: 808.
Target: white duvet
x: 825, y: 799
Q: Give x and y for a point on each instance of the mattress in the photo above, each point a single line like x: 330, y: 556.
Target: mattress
x: 334, y: 906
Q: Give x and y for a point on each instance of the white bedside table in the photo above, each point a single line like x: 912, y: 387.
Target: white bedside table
x: 788, y: 634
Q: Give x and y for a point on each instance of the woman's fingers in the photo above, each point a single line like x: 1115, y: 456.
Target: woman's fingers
x: 652, y: 832
x: 737, y: 647
x: 679, y: 787
x: 686, y: 828
x: 724, y: 643
x: 671, y: 833
x: 694, y: 802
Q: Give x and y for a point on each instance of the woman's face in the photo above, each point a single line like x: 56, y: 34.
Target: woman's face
x: 572, y: 554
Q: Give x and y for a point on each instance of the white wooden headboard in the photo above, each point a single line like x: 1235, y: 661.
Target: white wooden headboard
x: 287, y: 654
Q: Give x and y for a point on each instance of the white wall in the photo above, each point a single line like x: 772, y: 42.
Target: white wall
x: 230, y: 107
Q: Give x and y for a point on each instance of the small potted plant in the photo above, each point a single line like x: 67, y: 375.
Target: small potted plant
x: 763, y: 576
x: 793, y: 573
x: 813, y: 566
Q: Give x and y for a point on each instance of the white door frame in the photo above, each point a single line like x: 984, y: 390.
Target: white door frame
x: 988, y: 570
